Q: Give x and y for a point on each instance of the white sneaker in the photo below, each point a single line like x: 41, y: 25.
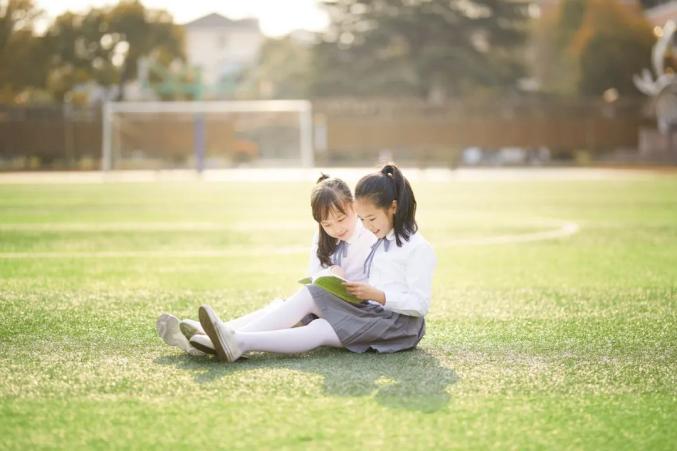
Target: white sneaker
x: 190, y: 327
x: 203, y: 343
x: 167, y: 327
x: 222, y: 336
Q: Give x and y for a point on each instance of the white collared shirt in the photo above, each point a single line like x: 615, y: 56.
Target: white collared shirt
x: 359, y: 246
x: 404, y: 274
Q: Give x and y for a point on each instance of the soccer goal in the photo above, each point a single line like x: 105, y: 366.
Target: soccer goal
x: 206, y: 134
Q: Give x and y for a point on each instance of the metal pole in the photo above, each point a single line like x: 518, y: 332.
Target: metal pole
x: 199, y: 141
x: 306, y: 126
x: 106, y: 149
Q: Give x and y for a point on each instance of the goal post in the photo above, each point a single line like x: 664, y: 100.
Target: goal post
x: 271, y: 129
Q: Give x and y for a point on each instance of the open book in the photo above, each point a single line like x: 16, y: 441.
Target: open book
x: 334, y: 285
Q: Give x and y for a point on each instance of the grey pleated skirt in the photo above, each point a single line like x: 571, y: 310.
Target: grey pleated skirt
x: 365, y: 326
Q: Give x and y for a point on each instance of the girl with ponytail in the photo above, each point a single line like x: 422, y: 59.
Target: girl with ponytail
x: 399, y: 268
x: 340, y: 246
x: 395, y: 298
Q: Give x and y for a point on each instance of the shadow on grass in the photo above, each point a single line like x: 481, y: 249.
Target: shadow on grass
x: 412, y: 380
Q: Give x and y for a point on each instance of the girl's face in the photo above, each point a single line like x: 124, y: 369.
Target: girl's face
x: 339, y: 225
x: 378, y: 220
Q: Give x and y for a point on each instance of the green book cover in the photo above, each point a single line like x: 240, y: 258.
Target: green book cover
x: 334, y: 285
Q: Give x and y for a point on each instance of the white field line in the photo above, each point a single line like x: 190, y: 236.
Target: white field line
x: 111, y: 227
x: 242, y: 252
x: 151, y: 226
x: 564, y: 230
x: 258, y: 175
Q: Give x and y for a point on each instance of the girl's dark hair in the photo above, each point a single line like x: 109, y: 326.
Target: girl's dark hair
x: 329, y: 194
x: 385, y: 186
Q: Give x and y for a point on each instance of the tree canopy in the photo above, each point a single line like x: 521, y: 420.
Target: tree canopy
x: 426, y: 48
x: 105, y: 45
x: 102, y: 46
x: 589, y: 46
x: 21, y: 55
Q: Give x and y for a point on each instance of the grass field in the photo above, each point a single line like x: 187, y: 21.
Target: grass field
x: 561, y: 343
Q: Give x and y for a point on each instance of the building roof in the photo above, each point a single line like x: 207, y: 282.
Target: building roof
x: 215, y: 20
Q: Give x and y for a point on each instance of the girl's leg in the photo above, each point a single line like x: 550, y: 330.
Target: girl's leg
x: 289, y: 341
x: 242, y: 321
x: 190, y: 327
x: 285, y: 315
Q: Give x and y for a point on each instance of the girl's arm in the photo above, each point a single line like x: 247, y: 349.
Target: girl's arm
x: 366, y: 292
x: 415, y: 300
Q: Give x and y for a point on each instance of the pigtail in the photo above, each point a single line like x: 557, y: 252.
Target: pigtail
x: 326, y: 246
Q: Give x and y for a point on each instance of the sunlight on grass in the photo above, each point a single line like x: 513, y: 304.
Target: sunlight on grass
x: 566, y: 342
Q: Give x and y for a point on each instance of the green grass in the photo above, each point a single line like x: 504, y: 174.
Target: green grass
x: 564, y: 343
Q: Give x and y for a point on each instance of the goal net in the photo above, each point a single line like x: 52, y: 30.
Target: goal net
x: 203, y: 135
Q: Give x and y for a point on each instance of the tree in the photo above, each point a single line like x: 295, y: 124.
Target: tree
x: 142, y: 33
x: 104, y: 46
x: 21, y: 64
x: 80, y: 52
x: 427, y: 48
x: 613, y: 43
x: 589, y: 46
x: 283, y: 71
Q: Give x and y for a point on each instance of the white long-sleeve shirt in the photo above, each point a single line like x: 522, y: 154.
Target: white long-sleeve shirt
x: 404, y: 274
x: 359, y: 246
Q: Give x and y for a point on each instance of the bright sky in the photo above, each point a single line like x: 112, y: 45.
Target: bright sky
x: 276, y: 17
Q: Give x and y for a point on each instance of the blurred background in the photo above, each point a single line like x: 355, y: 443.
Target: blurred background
x: 429, y: 83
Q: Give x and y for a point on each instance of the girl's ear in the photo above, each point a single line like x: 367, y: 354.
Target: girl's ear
x: 393, y: 207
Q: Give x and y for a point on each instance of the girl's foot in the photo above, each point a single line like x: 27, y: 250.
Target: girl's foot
x: 222, y: 336
x: 203, y: 343
x: 190, y: 327
x: 167, y: 327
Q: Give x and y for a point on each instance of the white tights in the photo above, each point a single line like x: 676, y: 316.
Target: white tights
x: 271, y: 328
x: 288, y: 341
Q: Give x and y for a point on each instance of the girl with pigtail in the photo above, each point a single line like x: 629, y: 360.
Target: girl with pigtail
x: 395, y: 297
x: 340, y: 246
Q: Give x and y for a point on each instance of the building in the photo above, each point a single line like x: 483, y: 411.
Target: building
x: 221, y: 49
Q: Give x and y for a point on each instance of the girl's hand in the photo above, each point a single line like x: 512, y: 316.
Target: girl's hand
x: 338, y: 271
x: 365, y: 292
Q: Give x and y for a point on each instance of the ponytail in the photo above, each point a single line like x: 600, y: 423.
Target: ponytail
x: 329, y: 194
x: 386, y: 186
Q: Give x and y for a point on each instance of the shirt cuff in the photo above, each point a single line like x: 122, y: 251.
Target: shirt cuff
x: 394, y: 304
